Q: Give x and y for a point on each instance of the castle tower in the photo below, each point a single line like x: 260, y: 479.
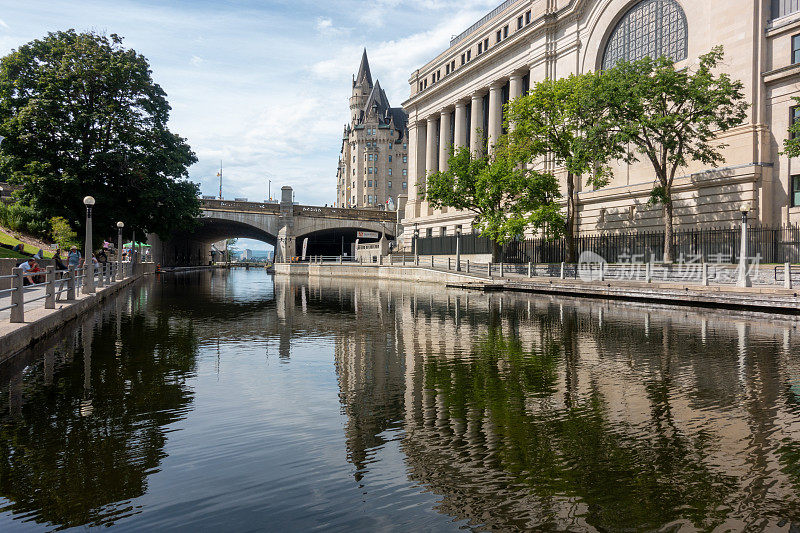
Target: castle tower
x: 372, y: 168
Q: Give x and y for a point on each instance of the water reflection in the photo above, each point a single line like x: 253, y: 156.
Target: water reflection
x: 570, y: 415
x: 202, y: 401
x: 80, y: 438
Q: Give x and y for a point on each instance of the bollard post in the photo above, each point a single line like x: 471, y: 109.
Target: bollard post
x: 602, y: 271
x: 448, y: 263
x: 502, y: 269
x: 340, y: 259
x: 17, y: 296
x: 489, y: 269
x: 530, y: 269
x: 467, y: 266
x: 431, y: 261
x: 563, y: 270
x: 648, y: 272
x: 787, y: 280
x: 71, y: 283
x: 50, y: 288
x: 705, y: 274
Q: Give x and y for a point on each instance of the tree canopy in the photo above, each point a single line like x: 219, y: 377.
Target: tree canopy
x: 81, y: 115
x: 566, y: 119
x: 505, y: 198
x: 672, y: 116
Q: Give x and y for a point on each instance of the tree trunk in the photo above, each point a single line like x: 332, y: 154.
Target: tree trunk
x: 497, y: 251
x: 569, y: 231
x: 668, y: 252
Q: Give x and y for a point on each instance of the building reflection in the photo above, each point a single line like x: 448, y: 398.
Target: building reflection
x: 531, y: 412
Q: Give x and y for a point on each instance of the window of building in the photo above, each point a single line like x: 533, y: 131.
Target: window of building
x: 453, y: 65
x: 795, y: 191
x: 794, y: 116
x: 795, y: 49
x: 405, y: 146
x: 527, y: 17
x: 369, y: 157
x: 469, y: 55
x: 405, y: 185
x: 365, y: 198
x: 438, y: 75
x: 447, y: 69
x: 389, y: 183
x: 390, y: 158
x: 462, y: 58
x: 370, y: 183
x: 429, y: 232
x: 370, y: 170
x: 519, y: 22
x: 390, y: 171
x: 505, y: 31
x: 480, y: 48
x: 405, y: 159
x: 499, y: 36
x: 651, y: 28
x: 405, y: 172
x: 354, y: 159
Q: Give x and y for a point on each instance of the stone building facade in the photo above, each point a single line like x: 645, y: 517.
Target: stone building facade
x: 373, y: 164
x: 463, y: 89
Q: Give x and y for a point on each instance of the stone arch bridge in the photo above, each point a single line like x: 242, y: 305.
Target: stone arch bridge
x: 330, y: 231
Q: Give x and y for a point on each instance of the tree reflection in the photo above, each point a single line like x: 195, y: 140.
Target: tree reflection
x: 68, y: 466
x: 528, y: 460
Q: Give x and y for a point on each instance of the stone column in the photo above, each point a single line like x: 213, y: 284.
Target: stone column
x: 461, y: 125
x: 416, y: 166
x: 445, y: 142
x: 431, y: 158
x: 476, y: 125
x: 515, y: 86
x: 431, y: 153
x: 495, y: 114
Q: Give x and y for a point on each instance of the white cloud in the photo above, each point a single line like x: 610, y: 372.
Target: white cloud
x: 4, y: 25
x: 196, y: 61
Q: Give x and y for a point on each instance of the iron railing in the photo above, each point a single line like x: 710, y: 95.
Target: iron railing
x: 714, y: 245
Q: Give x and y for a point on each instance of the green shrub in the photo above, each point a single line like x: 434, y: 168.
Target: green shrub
x: 62, y: 233
x: 25, y: 219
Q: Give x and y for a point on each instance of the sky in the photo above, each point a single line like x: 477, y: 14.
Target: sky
x: 262, y: 86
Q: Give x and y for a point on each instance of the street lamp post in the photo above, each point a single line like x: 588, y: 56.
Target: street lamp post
x: 744, y: 273
x: 458, y: 248
x: 416, y: 244
x: 88, y: 264
x: 120, y: 225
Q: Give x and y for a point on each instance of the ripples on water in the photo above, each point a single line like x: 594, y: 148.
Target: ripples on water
x: 227, y: 402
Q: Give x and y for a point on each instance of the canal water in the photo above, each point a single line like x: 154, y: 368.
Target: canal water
x: 233, y: 401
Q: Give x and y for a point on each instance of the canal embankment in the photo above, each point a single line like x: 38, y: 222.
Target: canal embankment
x: 41, y: 322
x: 761, y: 298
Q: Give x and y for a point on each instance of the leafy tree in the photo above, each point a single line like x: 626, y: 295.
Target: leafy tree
x: 566, y: 119
x: 62, y: 233
x: 81, y: 115
x: 504, y: 197
x: 672, y: 116
x: 791, y: 146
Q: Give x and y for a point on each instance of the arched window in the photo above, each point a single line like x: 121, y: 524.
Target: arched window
x: 651, y: 28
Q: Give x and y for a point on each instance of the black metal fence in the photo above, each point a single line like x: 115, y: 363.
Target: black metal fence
x: 714, y: 245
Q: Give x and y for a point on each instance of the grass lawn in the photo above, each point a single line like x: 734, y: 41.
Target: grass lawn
x: 5, y: 238
x: 8, y: 253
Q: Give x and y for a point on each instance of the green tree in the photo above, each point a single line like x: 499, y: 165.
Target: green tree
x: 791, y: 146
x: 504, y: 197
x: 672, y: 116
x: 565, y: 119
x: 62, y: 233
x: 81, y: 115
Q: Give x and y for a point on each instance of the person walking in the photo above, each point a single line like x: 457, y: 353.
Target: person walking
x: 74, y: 258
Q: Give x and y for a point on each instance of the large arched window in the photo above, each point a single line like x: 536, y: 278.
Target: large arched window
x: 651, y: 28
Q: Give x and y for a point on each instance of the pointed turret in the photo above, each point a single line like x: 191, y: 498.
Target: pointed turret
x: 364, y: 76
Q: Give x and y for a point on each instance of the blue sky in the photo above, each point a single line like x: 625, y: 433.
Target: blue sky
x: 262, y: 86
